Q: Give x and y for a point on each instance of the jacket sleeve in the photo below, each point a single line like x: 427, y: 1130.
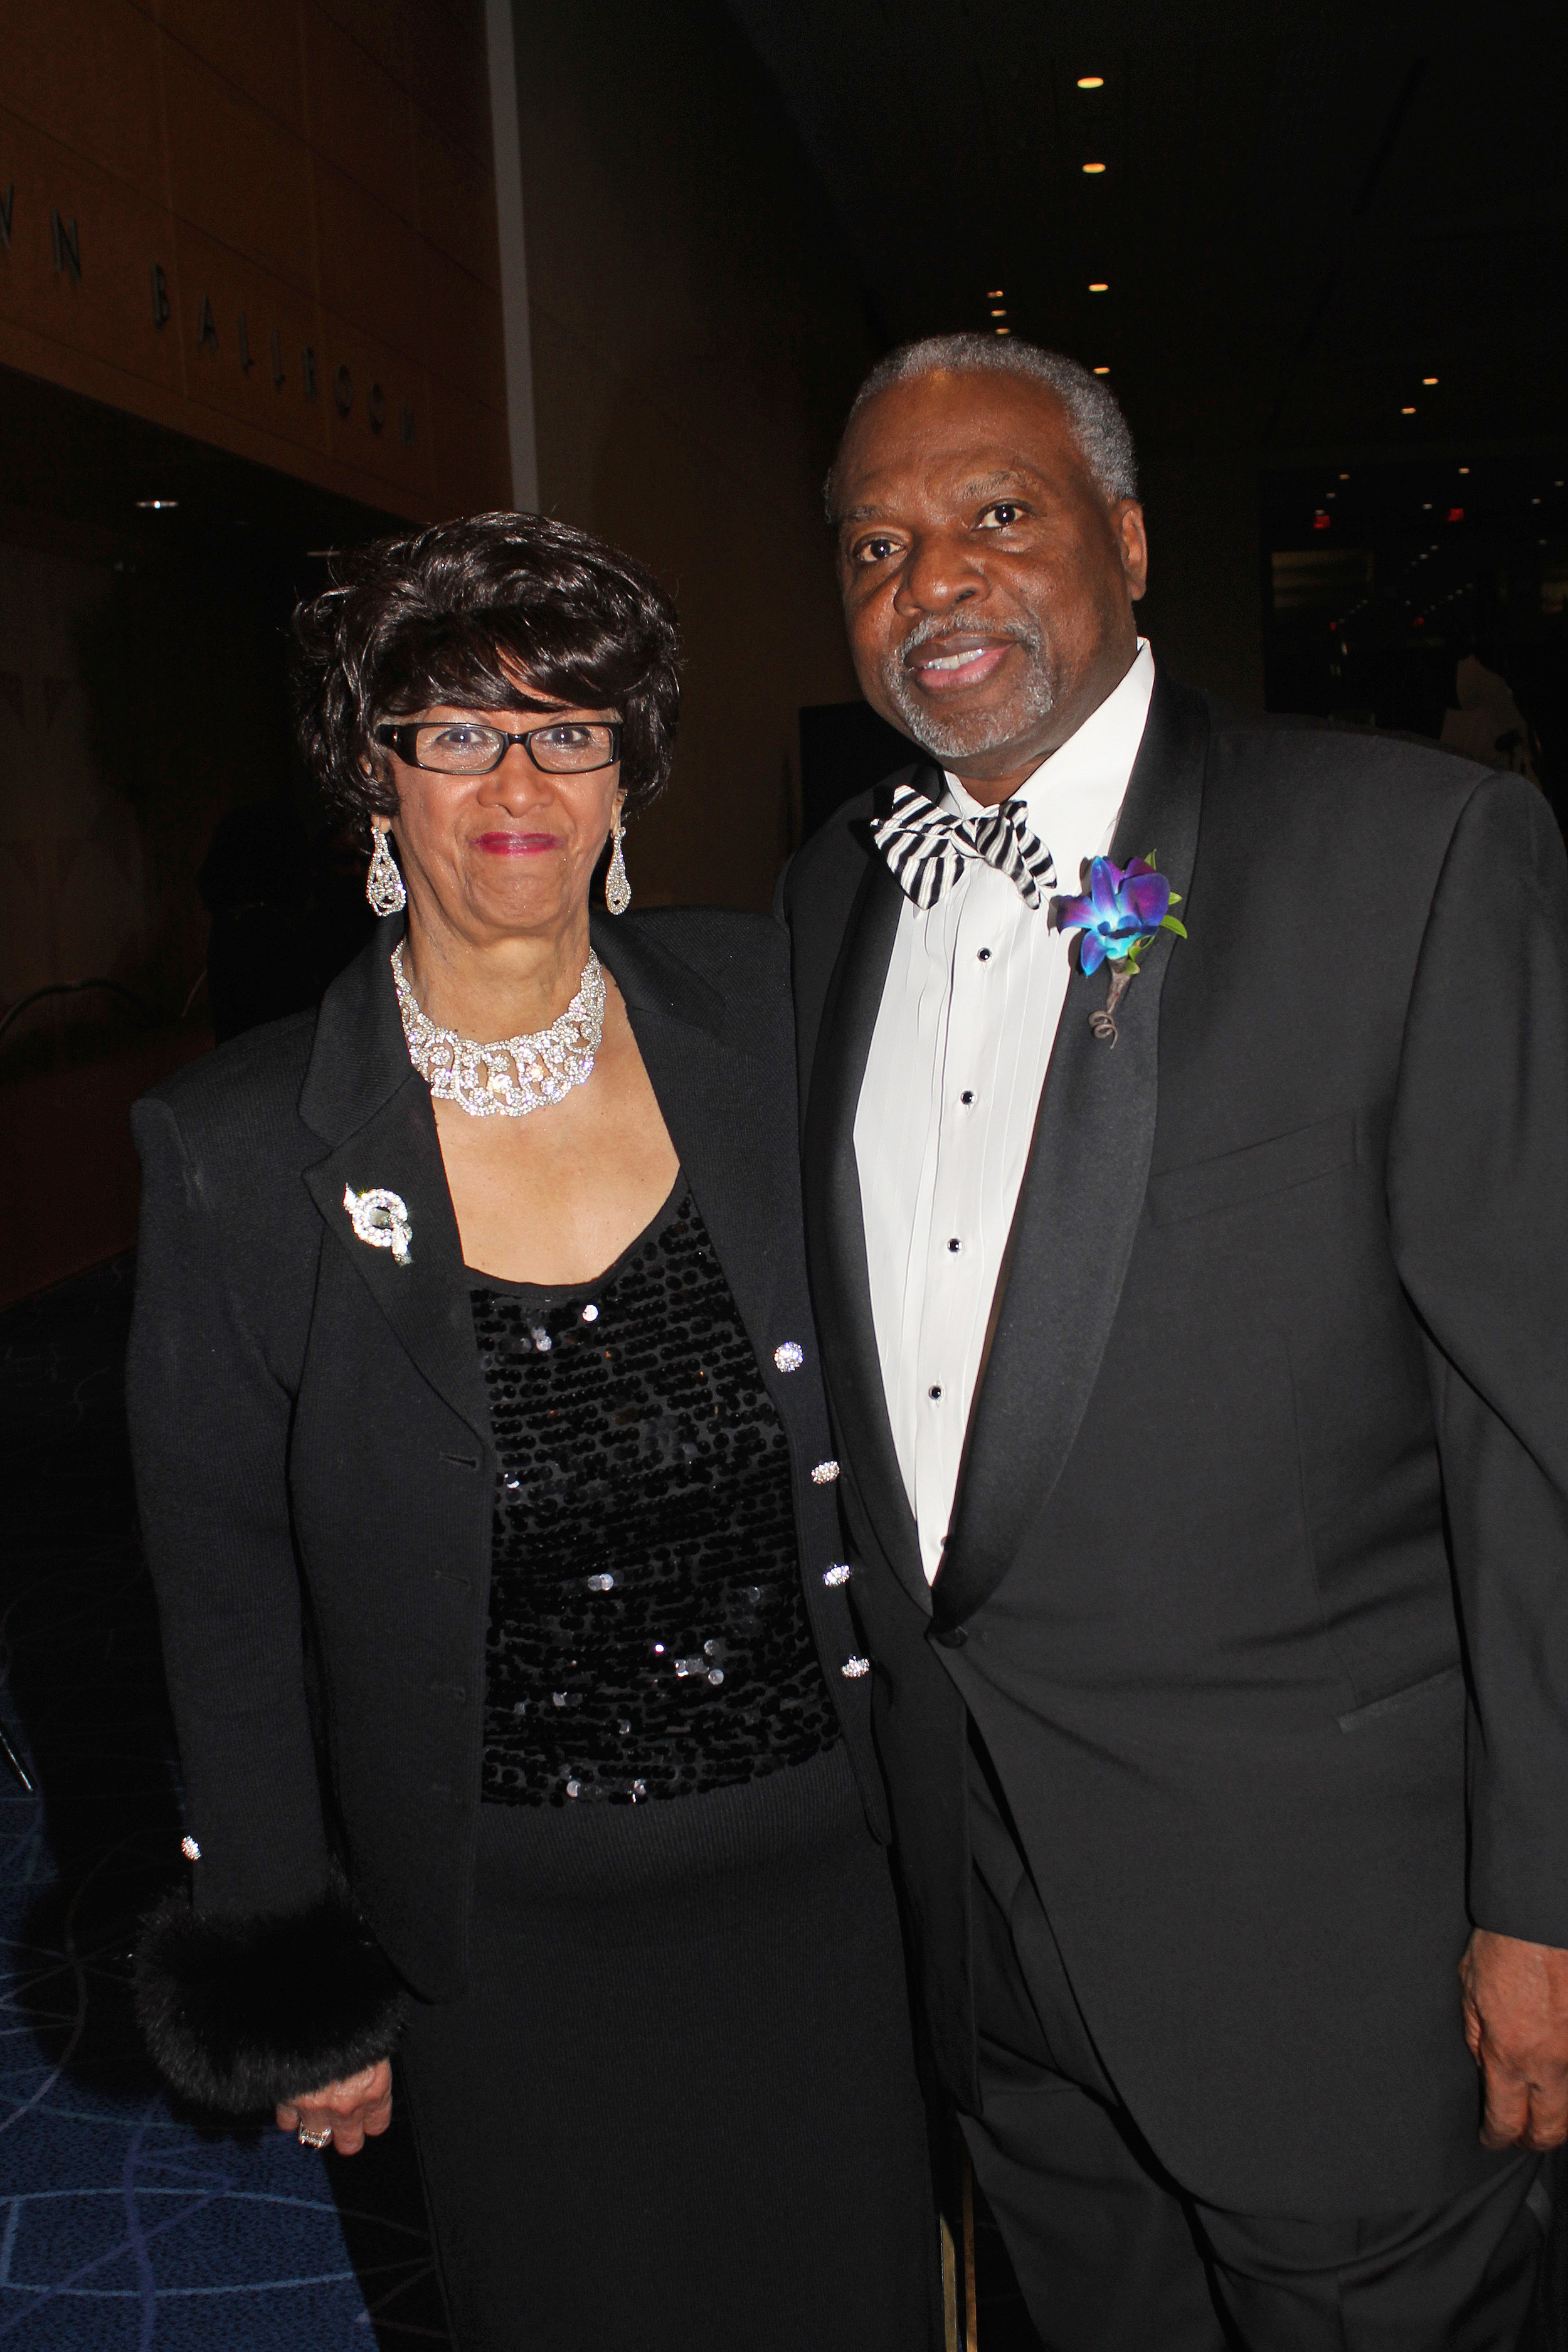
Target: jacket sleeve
x: 1479, y: 1203
x: 265, y: 1984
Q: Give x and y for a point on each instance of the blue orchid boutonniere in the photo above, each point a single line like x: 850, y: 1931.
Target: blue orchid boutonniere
x: 1122, y: 912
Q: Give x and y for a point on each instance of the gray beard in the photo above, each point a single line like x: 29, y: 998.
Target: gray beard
x: 989, y: 730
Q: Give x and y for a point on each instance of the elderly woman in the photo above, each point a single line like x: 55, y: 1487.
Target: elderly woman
x: 486, y: 1482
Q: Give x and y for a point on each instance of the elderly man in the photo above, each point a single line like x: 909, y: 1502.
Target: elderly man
x: 1185, y: 1132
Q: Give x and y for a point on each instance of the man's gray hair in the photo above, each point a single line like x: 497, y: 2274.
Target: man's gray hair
x: 1093, y: 410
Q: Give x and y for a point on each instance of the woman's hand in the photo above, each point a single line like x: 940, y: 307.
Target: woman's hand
x: 357, y: 2109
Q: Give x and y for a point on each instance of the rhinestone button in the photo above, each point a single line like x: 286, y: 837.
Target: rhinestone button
x: 854, y: 1668
x: 190, y: 1849
x: 837, y: 1574
x: 825, y: 1474
x: 790, y: 1357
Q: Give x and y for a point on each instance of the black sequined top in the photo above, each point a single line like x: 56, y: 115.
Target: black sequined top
x: 647, y: 1633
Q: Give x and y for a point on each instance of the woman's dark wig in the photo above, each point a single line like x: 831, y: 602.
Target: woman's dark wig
x: 441, y: 615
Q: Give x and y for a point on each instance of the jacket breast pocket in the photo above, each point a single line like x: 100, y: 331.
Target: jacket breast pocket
x: 1449, y: 1681
x: 1277, y: 1164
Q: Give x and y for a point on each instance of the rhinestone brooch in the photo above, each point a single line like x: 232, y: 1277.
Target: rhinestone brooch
x: 190, y: 1849
x: 825, y: 1474
x: 380, y: 1218
x: 837, y: 1574
x: 853, y: 1668
x: 516, y: 1075
x: 790, y: 1357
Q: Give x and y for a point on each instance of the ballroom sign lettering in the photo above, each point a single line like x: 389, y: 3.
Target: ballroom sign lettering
x: 217, y: 335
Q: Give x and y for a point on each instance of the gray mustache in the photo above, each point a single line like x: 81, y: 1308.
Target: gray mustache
x: 935, y: 633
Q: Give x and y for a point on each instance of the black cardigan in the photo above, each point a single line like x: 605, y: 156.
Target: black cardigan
x: 315, y: 1473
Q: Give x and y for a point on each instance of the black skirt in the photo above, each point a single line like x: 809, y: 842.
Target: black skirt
x: 675, y: 2109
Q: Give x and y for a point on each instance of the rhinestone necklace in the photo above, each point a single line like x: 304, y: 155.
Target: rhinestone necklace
x: 516, y: 1075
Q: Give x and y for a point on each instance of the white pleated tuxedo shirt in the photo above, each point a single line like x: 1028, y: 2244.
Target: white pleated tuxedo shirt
x: 946, y: 1116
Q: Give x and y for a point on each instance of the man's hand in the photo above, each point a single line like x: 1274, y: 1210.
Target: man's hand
x: 352, y: 2110
x: 1516, y: 2022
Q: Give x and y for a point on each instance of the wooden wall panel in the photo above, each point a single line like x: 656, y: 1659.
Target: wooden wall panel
x: 246, y: 306
x: 86, y: 71
x: 377, y: 382
x: 381, y: 30
x: 242, y: 170
x: 448, y: 67
x: 256, y: 48
x: 236, y: 172
x: 117, y: 233
x: 462, y: 330
x: 362, y: 117
x: 457, y: 206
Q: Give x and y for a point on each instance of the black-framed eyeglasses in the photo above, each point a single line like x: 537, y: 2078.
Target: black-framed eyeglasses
x: 458, y: 747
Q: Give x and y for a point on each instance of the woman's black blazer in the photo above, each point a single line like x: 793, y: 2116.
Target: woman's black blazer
x: 315, y: 1473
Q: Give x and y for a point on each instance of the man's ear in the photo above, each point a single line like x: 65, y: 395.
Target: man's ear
x: 1133, y: 545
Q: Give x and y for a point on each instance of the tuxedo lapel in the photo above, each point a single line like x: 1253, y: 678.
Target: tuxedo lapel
x: 362, y: 1097
x: 710, y: 1093
x: 1081, y: 1199
x: 835, y: 1217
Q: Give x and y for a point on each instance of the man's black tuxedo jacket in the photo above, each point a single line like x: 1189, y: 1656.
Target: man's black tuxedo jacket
x: 313, y: 1454
x: 1257, y: 1584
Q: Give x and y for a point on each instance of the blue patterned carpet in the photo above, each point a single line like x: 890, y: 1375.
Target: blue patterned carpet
x: 125, y: 2227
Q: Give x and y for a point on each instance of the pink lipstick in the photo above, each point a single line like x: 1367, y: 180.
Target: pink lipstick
x: 515, y: 844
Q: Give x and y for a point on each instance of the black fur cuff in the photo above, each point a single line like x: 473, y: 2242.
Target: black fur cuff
x: 240, y: 2013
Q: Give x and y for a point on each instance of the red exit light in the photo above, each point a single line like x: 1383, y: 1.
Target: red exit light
x: 1321, y: 521
x: 1456, y: 514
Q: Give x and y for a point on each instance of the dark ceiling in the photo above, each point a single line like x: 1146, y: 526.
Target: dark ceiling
x: 1304, y: 210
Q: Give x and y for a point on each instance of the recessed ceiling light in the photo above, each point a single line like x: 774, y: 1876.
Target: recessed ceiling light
x: 998, y: 314
x: 1464, y: 469
x: 996, y: 295
x: 157, y: 505
x: 1092, y: 81
x: 1428, y: 379
x: 1425, y: 506
x: 1003, y: 331
x: 1102, y: 371
x: 1407, y: 412
x: 1092, y: 168
x: 1100, y: 286
x: 1344, y: 478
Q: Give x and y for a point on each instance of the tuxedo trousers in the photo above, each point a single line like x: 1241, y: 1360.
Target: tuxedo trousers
x: 1111, y: 2254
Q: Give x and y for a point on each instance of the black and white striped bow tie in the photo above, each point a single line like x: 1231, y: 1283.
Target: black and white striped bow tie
x: 927, y: 846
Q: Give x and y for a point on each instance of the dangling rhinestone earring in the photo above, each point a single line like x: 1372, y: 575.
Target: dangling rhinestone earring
x: 617, y: 890
x: 383, y: 883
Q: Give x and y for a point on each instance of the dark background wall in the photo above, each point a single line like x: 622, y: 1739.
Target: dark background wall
x: 1331, y: 240
x: 698, y: 329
